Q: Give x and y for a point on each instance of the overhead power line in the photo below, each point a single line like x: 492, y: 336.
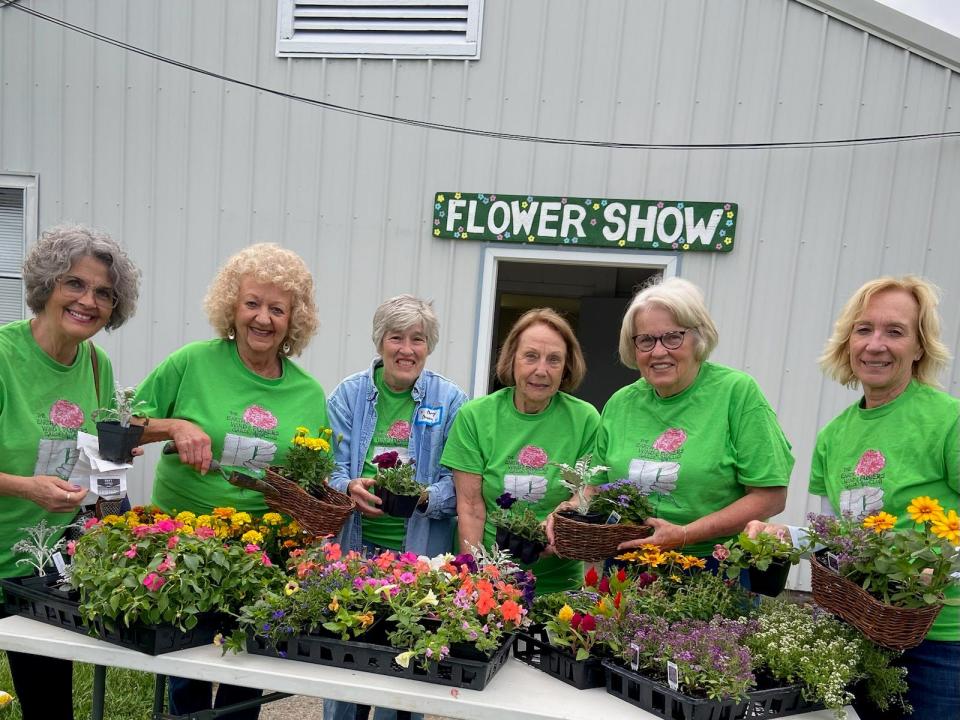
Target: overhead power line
x: 493, y: 134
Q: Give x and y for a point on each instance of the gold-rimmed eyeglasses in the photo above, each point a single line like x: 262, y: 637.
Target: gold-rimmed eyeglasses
x: 76, y: 288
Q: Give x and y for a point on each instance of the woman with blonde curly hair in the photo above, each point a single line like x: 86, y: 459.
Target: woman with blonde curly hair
x: 238, y: 398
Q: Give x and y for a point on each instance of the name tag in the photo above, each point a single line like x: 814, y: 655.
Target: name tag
x: 428, y: 415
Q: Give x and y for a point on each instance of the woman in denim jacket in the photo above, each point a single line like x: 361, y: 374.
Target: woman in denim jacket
x: 395, y: 405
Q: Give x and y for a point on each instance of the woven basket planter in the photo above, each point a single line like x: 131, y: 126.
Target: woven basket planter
x: 590, y: 542
x: 892, y: 627
x: 321, y: 514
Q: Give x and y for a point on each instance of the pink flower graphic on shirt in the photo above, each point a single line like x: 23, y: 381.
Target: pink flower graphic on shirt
x: 65, y: 414
x: 870, y: 463
x: 670, y: 440
x: 400, y: 430
x: 532, y: 457
x: 259, y: 417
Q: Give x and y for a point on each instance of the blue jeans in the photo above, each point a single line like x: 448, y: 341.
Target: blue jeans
x: 188, y: 696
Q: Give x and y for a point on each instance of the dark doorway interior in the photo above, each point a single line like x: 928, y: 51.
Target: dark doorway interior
x: 592, y: 298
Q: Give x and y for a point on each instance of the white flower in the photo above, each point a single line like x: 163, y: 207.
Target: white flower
x: 403, y: 659
x: 5, y: 698
x: 428, y: 599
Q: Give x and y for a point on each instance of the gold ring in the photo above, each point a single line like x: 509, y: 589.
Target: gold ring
x: 68, y: 497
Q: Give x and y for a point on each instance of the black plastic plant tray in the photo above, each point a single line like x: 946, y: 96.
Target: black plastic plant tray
x: 659, y: 699
x: 778, y: 702
x: 558, y: 663
x: 367, y: 657
x: 53, y: 608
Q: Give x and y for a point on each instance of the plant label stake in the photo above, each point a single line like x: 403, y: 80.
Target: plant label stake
x: 614, y: 518
x: 673, y: 675
x: 635, y: 659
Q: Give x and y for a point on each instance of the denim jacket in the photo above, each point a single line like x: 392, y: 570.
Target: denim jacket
x: 352, y: 409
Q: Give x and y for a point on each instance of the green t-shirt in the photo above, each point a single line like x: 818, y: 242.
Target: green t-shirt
x: 42, y: 405
x: 513, y: 452
x: 880, y: 459
x: 392, y: 432
x: 696, y: 450
x: 250, y: 420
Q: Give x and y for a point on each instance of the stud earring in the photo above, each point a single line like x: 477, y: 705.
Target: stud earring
x: 231, y: 334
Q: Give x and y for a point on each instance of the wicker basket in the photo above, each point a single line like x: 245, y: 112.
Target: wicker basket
x: 893, y: 627
x: 577, y: 540
x: 319, y: 516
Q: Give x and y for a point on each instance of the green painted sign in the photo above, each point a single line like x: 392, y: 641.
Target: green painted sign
x: 591, y: 222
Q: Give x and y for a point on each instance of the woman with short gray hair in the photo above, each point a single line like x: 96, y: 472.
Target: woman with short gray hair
x: 77, y: 282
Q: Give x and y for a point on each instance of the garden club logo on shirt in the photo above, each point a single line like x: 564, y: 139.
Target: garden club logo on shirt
x: 253, y: 440
x: 862, y: 492
x: 657, y: 469
x: 526, y: 477
x: 57, y: 451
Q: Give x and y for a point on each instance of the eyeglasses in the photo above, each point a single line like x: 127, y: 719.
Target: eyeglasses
x: 75, y: 288
x: 670, y: 340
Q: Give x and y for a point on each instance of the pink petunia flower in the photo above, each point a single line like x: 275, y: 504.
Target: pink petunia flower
x: 407, y: 578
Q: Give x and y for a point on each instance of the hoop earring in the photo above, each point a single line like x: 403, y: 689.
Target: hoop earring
x: 285, y: 347
x: 231, y: 334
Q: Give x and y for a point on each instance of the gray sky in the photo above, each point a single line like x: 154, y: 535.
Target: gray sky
x: 943, y: 14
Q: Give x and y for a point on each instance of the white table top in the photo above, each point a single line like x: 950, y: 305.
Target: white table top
x: 516, y: 691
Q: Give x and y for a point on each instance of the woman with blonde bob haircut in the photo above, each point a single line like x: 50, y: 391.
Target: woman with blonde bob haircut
x: 507, y: 442
x: 238, y: 398
x: 699, y: 439
x: 898, y: 442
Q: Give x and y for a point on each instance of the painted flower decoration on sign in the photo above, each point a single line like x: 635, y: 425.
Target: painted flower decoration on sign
x: 65, y: 414
x: 532, y: 457
x: 400, y: 430
x: 871, y: 462
x: 259, y: 417
x: 670, y: 440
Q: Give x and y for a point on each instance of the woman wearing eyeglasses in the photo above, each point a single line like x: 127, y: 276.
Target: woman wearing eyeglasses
x: 78, y: 282
x: 698, y: 437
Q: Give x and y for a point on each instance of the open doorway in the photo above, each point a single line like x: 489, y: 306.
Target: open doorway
x: 591, y: 290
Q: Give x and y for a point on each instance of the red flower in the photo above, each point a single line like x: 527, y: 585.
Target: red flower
x: 576, y: 620
x: 622, y: 575
x: 604, y: 586
x: 590, y: 579
x: 387, y: 460
x: 617, y: 600
x: 588, y: 623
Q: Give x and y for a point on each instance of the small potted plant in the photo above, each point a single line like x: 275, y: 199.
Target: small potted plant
x: 117, y: 437
x: 577, y: 480
x: 309, y: 461
x: 518, y: 529
x: 41, y: 544
x: 623, y: 502
x: 766, y: 558
x: 397, y: 485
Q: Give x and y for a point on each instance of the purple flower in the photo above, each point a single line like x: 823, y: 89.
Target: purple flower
x: 466, y: 560
x: 506, y: 501
x: 277, y: 614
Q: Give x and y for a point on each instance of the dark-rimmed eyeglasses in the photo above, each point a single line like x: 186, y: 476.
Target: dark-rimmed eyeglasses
x: 670, y: 340
x: 75, y: 288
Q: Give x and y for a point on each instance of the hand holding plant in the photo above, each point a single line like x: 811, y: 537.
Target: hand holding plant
x: 395, y: 475
x: 577, y: 480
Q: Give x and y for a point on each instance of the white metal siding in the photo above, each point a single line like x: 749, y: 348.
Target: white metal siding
x: 187, y: 169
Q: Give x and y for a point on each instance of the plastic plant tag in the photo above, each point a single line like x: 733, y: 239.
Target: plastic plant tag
x: 833, y: 562
x: 59, y: 563
x: 614, y: 518
x: 635, y: 658
x: 673, y: 675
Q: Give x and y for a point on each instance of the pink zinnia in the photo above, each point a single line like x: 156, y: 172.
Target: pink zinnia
x: 131, y: 552
x: 153, y: 582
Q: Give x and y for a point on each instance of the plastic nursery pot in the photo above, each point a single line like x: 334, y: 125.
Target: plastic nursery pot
x: 397, y: 505
x: 590, y: 518
x: 525, y: 550
x: 117, y: 442
x: 772, y: 581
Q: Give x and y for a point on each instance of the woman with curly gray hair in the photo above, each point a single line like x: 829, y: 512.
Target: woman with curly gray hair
x: 52, y: 377
x: 238, y: 398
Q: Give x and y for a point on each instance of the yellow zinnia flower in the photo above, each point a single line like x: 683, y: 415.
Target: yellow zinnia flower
x: 947, y: 526
x: 880, y: 522
x: 565, y: 613
x: 924, y: 509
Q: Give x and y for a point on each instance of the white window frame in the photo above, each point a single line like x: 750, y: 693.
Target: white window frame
x: 418, y: 47
x: 493, y: 256
x: 31, y: 220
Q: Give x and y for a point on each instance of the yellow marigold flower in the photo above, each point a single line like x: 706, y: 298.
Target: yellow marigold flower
x: 204, y: 520
x: 272, y: 518
x: 221, y: 531
x: 323, y: 445
x: 301, y: 430
x: 160, y: 516
x: 224, y: 512
x: 240, y: 518
x: 186, y: 530
x: 947, y: 526
x: 292, y: 529
x: 186, y: 517
x: 924, y: 509
x: 291, y: 587
x: 300, y: 440
x: 327, y: 432
x: 252, y: 536
x: 565, y: 613
x: 113, y: 520
x: 880, y: 522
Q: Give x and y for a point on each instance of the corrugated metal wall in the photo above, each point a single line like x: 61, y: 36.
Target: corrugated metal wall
x: 187, y: 169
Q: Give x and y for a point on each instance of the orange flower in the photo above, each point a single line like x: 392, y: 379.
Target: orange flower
x: 947, y: 526
x: 511, y: 611
x: 485, y: 603
x: 924, y: 509
x: 224, y: 512
x: 880, y: 522
x: 333, y: 552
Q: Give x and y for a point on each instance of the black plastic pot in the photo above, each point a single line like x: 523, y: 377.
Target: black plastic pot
x: 590, y: 518
x: 771, y: 581
x: 401, y: 506
x: 525, y: 550
x: 116, y: 442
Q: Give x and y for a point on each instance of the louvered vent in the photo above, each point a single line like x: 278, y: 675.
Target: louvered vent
x: 11, y: 253
x: 387, y: 28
